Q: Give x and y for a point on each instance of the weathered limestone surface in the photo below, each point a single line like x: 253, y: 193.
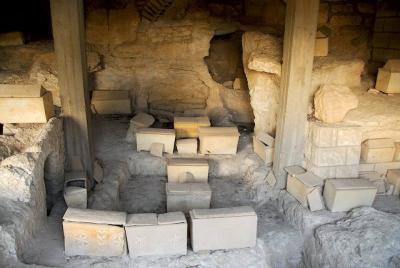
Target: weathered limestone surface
x: 332, y: 103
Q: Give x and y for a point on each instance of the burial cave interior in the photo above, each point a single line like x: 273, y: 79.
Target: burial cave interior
x: 200, y: 133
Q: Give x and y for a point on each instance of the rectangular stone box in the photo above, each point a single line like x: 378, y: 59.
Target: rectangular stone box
x: 223, y: 228
x: 393, y: 177
x: 346, y: 194
x: 300, y: 185
x: 111, y: 102
x: 321, y: 45
x: 145, y: 137
x: 186, y: 196
x: 152, y: 234
x: 388, y: 79
x: 186, y: 146
x: 94, y: 232
x: 377, y: 150
x: 218, y: 140
x: 26, y: 109
x: 182, y: 170
x: 187, y: 127
x: 265, y: 152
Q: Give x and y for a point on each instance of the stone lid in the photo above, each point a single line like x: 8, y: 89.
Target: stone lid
x: 21, y: 91
x: 393, y: 65
x: 223, y: 212
x: 71, y: 190
x: 192, y: 120
x: 186, y: 141
x: 95, y: 216
x: 321, y: 35
x: 218, y: 131
x: 187, y: 162
x: 371, y: 176
x: 379, y: 143
x: 171, y: 218
x: 349, y: 184
x: 159, y: 131
x: 184, y: 188
x: 110, y: 95
x: 141, y: 219
x: 309, y: 179
x: 295, y: 170
x: 265, y: 138
x: 142, y: 120
x: 75, y: 175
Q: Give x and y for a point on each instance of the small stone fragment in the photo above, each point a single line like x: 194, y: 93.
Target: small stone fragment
x: 156, y: 149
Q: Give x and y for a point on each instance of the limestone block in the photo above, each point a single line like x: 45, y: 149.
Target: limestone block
x: 75, y: 197
x: 376, y: 179
x: 300, y: 185
x: 186, y: 196
x: 142, y: 120
x: 261, y: 62
x: 156, y: 149
x: 393, y: 177
x: 265, y: 152
x: 223, y: 228
x: 152, y: 234
x: 346, y: 194
x: 184, y: 170
x: 315, y: 201
x: 187, y: 127
x: 94, y: 232
x: 11, y: 39
x: 111, y: 102
x: 388, y: 79
x: 397, y: 151
x: 21, y: 91
x: 145, y: 137
x: 218, y: 140
x: 377, y: 150
x: 187, y: 146
x: 332, y: 102
x: 26, y: 109
x: 321, y: 45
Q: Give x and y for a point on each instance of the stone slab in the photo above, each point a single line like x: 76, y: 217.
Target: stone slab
x: 265, y: 152
x: 300, y: 185
x: 186, y: 146
x: 75, y: 197
x: 21, y: 91
x: 393, y: 177
x: 218, y: 140
x: 377, y: 150
x: 165, y: 236
x: 186, y: 196
x: 157, y: 149
x: 187, y: 170
x: 111, y: 102
x: 222, y: 229
x: 142, y: 120
x: 27, y: 109
x: 346, y: 194
x: 95, y: 216
x: 145, y: 137
x: 187, y: 127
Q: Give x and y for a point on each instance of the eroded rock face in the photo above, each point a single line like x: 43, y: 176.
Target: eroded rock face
x: 332, y: 102
x: 365, y: 238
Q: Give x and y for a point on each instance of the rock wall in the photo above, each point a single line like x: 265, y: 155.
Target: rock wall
x: 24, y: 179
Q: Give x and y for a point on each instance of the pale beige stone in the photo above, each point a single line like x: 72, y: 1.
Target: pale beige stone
x: 95, y: 216
x: 265, y: 152
x: 397, y: 151
x: 111, y: 102
x: 393, y: 178
x: 376, y: 179
x: 142, y: 120
x: 224, y: 228
x: 11, y: 39
x: 152, y: 234
x: 218, y: 140
x: 75, y: 197
x: 300, y: 185
x: 21, y: 91
x: 26, y: 110
x: 145, y: 137
x: 333, y: 102
x: 295, y: 170
x: 388, y: 79
x: 346, y: 194
x: 377, y: 150
x: 321, y: 45
x: 186, y: 146
x: 315, y: 201
x: 157, y: 149
x: 265, y: 138
x: 186, y: 196
x: 187, y: 170
x: 187, y: 127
